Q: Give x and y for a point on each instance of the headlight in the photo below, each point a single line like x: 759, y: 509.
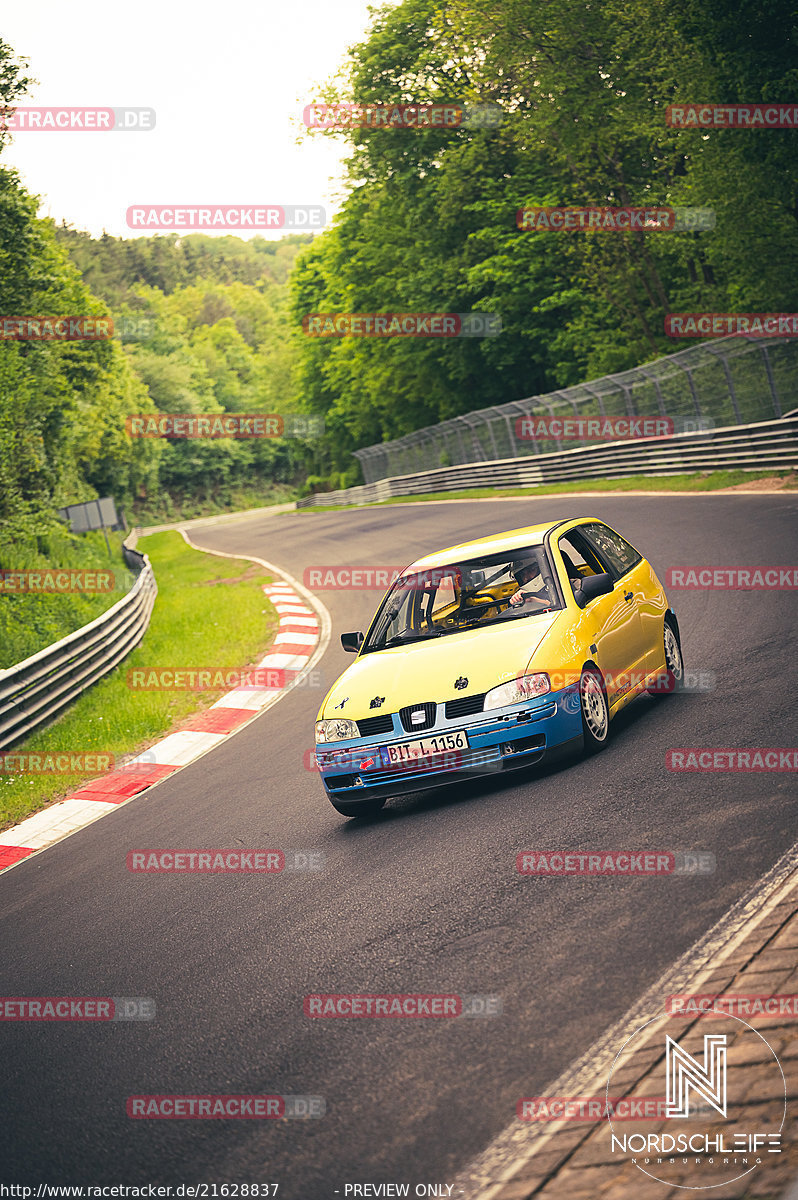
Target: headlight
x: 525, y: 688
x: 337, y: 730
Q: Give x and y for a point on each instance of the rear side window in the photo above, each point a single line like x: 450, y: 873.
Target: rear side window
x: 621, y: 556
x: 579, y: 556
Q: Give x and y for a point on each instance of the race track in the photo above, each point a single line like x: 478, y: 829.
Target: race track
x: 423, y: 898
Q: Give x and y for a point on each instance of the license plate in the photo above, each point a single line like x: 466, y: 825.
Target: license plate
x: 423, y: 748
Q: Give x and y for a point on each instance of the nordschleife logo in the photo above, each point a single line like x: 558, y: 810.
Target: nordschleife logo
x: 711, y: 1134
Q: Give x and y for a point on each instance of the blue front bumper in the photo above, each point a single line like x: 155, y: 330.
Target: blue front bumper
x: 500, y: 739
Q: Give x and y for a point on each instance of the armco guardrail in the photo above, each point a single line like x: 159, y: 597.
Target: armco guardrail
x: 766, y: 444
x: 35, y: 691
x: 728, y: 381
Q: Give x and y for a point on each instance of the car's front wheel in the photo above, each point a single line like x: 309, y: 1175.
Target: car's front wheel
x: 595, y: 711
x: 359, y: 808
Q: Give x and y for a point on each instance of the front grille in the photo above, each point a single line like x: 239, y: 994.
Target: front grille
x: 370, y: 725
x: 464, y: 706
x: 428, y: 708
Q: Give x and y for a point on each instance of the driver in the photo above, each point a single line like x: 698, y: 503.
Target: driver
x: 526, y: 572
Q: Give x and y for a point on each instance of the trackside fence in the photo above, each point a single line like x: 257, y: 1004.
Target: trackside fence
x: 759, y: 446
x: 727, y: 381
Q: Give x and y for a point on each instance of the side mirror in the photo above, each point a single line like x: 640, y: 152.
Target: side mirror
x: 352, y: 642
x: 593, y: 586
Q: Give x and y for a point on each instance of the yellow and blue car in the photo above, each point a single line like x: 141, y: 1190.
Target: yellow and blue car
x: 490, y: 655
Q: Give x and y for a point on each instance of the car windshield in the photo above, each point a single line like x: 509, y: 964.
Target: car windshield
x: 494, y: 589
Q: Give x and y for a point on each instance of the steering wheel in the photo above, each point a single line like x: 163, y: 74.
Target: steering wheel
x: 541, y: 596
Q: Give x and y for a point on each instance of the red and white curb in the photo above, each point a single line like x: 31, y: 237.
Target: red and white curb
x: 301, y: 639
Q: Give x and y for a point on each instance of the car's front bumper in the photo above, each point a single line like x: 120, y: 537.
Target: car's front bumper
x: 500, y: 739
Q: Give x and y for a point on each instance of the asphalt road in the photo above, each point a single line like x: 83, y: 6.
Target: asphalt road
x: 423, y: 898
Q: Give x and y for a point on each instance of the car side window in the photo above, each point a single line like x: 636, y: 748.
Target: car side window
x: 579, y: 557
x: 620, y: 555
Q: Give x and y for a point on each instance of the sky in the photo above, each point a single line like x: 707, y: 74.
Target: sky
x: 228, y: 82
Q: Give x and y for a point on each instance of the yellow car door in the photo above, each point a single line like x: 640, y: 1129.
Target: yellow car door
x: 611, y: 623
x: 636, y: 575
x: 621, y: 652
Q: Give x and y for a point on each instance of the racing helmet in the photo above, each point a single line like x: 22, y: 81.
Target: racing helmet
x: 530, y: 563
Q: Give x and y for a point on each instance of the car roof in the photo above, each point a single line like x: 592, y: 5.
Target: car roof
x: 511, y: 539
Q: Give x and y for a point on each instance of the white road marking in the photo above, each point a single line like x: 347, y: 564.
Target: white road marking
x: 53, y: 823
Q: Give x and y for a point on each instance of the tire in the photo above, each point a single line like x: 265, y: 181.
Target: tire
x: 359, y: 808
x: 674, y: 664
x: 595, y: 711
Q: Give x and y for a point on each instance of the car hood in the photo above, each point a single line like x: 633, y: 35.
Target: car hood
x: 428, y: 670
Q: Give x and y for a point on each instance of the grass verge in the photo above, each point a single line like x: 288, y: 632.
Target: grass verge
x: 700, y: 482
x: 210, y: 613
x: 30, y: 621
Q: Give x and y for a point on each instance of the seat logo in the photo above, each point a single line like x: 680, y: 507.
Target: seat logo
x: 461, y: 683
